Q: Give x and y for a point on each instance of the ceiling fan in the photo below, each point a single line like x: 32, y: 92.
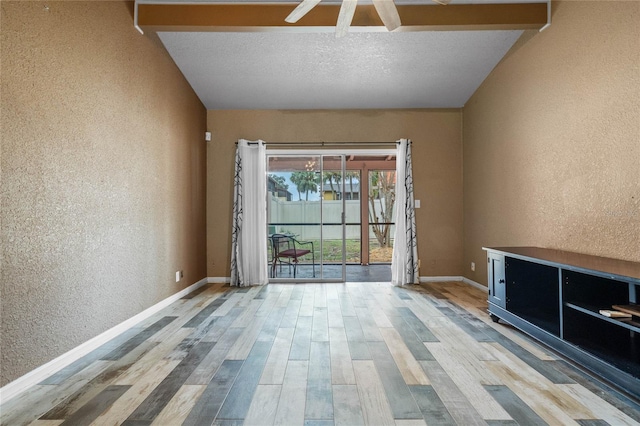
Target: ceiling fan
x: 386, y: 10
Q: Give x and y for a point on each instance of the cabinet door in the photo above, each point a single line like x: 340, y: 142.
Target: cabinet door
x: 496, y: 277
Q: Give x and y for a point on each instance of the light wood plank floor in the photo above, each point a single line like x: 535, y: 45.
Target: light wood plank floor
x: 322, y: 354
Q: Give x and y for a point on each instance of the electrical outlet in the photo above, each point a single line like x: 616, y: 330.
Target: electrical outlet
x: 473, y: 266
x: 177, y: 276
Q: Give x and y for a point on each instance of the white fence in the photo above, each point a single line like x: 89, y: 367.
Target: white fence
x: 302, y: 212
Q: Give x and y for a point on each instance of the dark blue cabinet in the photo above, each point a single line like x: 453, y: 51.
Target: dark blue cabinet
x: 557, y: 297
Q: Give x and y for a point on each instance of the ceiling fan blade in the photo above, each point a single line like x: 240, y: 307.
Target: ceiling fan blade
x: 303, y: 8
x: 388, y: 13
x: 347, y: 10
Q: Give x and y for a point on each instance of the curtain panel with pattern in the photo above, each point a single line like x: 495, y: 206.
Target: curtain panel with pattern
x: 404, y: 264
x: 249, y: 237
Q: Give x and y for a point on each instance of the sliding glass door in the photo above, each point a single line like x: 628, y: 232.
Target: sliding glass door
x: 306, y: 217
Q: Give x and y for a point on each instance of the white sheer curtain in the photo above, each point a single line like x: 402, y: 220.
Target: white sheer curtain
x: 249, y: 231
x: 404, y: 264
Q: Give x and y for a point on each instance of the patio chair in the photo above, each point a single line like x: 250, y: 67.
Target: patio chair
x: 285, y: 249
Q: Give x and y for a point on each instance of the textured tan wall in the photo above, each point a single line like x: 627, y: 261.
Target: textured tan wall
x: 103, y: 177
x: 437, y: 156
x: 552, y: 140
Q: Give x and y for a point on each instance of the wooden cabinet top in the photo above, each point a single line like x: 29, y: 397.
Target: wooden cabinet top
x: 603, y: 266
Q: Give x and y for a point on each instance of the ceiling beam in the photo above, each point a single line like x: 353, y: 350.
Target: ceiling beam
x: 270, y: 17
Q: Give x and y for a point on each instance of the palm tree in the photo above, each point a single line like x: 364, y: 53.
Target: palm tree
x: 305, y: 182
x: 330, y: 177
x: 352, y: 174
x: 297, y: 178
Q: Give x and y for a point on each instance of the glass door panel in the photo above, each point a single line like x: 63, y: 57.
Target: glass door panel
x: 304, y: 217
x: 353, y: 231
x: 381, y: 203
x: 333, y: 244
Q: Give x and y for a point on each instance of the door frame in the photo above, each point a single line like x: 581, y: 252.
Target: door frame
x: 364, y: 167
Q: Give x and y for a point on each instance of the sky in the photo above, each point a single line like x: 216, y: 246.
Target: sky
x: 292, y: 188
x: 294, y: 192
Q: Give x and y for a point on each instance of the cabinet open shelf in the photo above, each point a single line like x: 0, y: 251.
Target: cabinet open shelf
x: 608, y: 340
x: 620, y: 360
x: 595, y: 312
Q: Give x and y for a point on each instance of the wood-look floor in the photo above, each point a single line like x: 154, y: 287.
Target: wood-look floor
x: 322, y: 354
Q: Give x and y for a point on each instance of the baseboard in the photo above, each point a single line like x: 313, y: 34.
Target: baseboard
x: 440, y: 279
x: 215, y: 280
x: 453, y: 278
x: 34, y: 377
x: 475, y: 284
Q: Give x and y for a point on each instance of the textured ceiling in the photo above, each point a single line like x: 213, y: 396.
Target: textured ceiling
x: 277, y: 70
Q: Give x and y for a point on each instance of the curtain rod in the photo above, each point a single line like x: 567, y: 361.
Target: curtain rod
x: 325, y: 143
